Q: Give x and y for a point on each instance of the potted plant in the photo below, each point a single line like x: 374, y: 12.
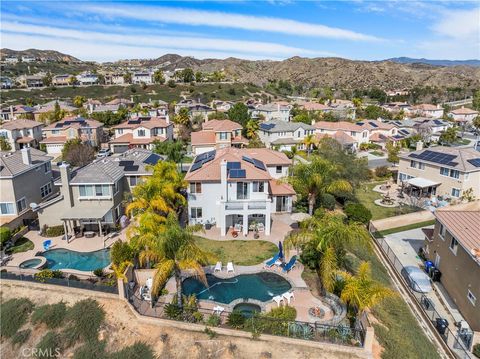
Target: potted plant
x: 256, y: 235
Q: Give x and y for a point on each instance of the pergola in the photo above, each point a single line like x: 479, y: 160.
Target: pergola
x: 75, y: 216
x: 421, y: 187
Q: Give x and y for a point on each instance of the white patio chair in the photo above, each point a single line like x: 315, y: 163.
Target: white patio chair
x: 149, y: 283
x: 218, y: 267
x: 278, y: 299
x: 230, y: 267
x: 288, y: 296
x: 218, y: 310
x: 261, y: 227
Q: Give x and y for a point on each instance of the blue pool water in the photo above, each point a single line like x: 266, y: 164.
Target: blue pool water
x: 84, y: 261
x: 30, y: 263
x: 260, y: 286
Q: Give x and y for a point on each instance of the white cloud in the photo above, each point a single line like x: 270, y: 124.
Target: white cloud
x: 224, y: 20
x: 460, y: 24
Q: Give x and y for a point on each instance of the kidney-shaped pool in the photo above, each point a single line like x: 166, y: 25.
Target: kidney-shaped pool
x: 260, y: 286
x: 83, y: 261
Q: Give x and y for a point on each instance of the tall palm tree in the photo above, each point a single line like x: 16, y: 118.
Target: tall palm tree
x: 315, y: 178
x: 361, y: 291
x: 172, y: 251
x: 309, y: 141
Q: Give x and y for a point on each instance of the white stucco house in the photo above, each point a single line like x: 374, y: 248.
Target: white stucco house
x: 463, y: 115
x: 284, y: 135
x: 273, y: 111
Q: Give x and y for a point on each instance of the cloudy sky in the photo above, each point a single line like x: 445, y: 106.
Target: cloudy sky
x: 365, y: 30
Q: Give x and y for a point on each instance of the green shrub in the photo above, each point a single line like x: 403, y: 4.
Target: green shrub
x: 214, y: 320
x: 49, y: 346
x: 236, y: 319
x: 382, y: 172
x: 21, y: 337
x: 84, y: 321
x: 211, y: 333
x: 121, y: 252
x: 54, y: 231
x: 198, y: 317
x: 14, y: 314
x: 45, y: 274
x: 52, y: 315
x: 286, y: 313
x: 357, y: 212
x: 476, y: 350
x: 99, y: 272
x: 5, y: 235
x: 172, y: 311
x: 138, y: 350
x: 91, y: 349
x: 327, y: 201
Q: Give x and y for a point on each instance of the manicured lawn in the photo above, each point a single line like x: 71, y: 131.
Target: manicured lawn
x: 21, y: 245
x: 377, y: 153
x: 367, y: 196
x: 407, y: 227
x: 240, y: 252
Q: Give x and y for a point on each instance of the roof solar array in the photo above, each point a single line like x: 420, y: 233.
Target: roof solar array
x: 152, y: 159
x: 233, y: 165
x: 475, y: 162
x: 259, y: 164
x: 131, y: 168
x: 200, y: 160
x: 237, y: 173
x: 126, y: 163
x: 436, y: 157
x: 266, y: 126
x: 196, y: 166
x: 360, y: 123
x: 134, y: 122
x: 438, y: 122
x: 373, y: 124
x: 247, y: 159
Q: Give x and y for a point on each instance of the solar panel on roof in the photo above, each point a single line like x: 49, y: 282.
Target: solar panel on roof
x: 152, y: 159
x: 360, y: 123
x: 247, y: 159
x: 238, y: 173
x: 131, y: 168
x: 196, y: 166
x: 259, y: 164
x: 233, y: 165
x: 373, y: 124
x: 475, y: 162
x: 266, y: 126
x: 133, y: 122
x: 126, y: 163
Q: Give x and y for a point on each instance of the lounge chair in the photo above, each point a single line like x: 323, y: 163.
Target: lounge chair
x: 218, y: 267
x: 277, y: 299
x: 290, y: 264
x: 230, y: 267
x: 218, y: 310
x: 149, y: 283
x: 288, y: 296
x: 271, y: 262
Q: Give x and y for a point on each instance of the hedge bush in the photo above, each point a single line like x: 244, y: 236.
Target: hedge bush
x: 14, y: 314
x: 54, y: 231
x: 21, y: 337
x: 53, y: 315
x: 327, y: 201
x: 5, y: 235
x: 45, y: 274
x: 476, y: 350
x: 382, y: 172
x: 357, y: 212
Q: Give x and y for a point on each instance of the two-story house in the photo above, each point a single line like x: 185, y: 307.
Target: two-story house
x: 114, y: 79
x: 463, y: 115
x: 91, y: 198
x: 56, y: 134
x: 50, y: 107
x: 87, y: 79
x: 284, y: 135
x: 14, y: 112
x: 445, y: 171
x: 194, y: 108
x: 142, y: 77
x: 273, y: 111
x: 22, y: 133
x: 30, y: 81
x: 359, y: 134
x: 216, y: 134
x: 61, y: 80
x: 427, y: 110
x: 141, y: 132
x: 380, y: 132
x: 238, y: 187
x: 25, y: 180
x: 454, y: 248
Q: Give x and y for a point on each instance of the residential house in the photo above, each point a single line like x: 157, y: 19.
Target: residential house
x: 284, y: 135
x: 6, y: 82
x: 238, y: 187
x: 156, y: 108
x: 463, y: 115
x: 87, y: 79
x: 358, y: 133
x: 91, y: 198
x: 343, y: 109
x: 11, y: 60
x: 380, y: 132
x: 216, y: 134
x: 140, y: 132
x: 14, y: 112
x: 121, y: 101
x: 40, y: 110
x: 195, y: 109
x: 61, y: 80
x: 426, y: 110
x: 273, y: 111
x: 142, y: 77
x: 25, y: 180
x: 56, y: 134
x: 22, y: 133
x: 443, y: 171
x: 31, y: 81
x: 28, y: 59
x: 114, y: 79
x: 454, y: 248
x: 222, y: 106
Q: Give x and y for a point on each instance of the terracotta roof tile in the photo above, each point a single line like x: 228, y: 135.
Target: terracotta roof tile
x: 221, y: 125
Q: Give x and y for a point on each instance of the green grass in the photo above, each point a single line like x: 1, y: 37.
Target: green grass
x: 377, y: 153
x: 367, y: 196
x: 407, y: 227
x: 14, y: 314
x: 21, y: 245
x: 240, y: 252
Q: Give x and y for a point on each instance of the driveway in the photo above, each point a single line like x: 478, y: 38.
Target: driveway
x: 406, y: 244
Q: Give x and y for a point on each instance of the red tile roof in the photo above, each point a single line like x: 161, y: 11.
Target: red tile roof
x: 463, y: 225
x: 128, y: 138
x: 221, y: 125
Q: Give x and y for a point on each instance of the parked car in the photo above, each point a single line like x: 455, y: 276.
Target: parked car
x: 104, y: 152
x: 417, y: 279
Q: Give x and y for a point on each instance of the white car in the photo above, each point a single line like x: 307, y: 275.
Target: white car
x: 104, y: 152
x: 417, y: 279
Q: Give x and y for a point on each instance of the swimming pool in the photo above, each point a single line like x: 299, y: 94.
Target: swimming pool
x: 260, y: 286
x: 31, y: 263
x: 83, y: 261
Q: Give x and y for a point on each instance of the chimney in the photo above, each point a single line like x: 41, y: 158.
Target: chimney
x: 11, y: 112
x: 419, y: 146
x: 65, y: 179
x: 26, y: 156
x: 223, y: 179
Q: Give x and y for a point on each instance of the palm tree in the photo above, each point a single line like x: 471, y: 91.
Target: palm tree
x: 309, y: 141
x: 315, y: 178
x: 251, y: 129
x: 173, y: 251
x: 361, y: 291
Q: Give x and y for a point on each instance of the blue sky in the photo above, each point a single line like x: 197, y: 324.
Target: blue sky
x: 363, y: 30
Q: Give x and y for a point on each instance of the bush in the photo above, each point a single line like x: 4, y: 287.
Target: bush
x: 211, y: 333
x: 99, y: 272
x: 286, y: 313
x: 327, y: 201
x: 49, y: 346
x: 382, y: 172
x: 85, y: 319
x: 54, y: 231
x: 91, y: 349
x: 173, y: 311
x: 121, y: 252
x: 14, y: 314
x: 21, y: 337
x: 236, y: 319
x: 357, y: 212
x: 138, y: 350
x: 5, y: 235
x: 45, y: 274
x: 52, y: 315
x: 476, y: 350
x: 214, y: 320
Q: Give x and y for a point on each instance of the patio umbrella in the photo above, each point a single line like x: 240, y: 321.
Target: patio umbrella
x: 280, y: 250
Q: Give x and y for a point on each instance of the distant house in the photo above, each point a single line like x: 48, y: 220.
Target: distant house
x: 50, y: 106
x: 314, y: 107
x: 56, y: 134
x: 463, y: 115
x: 114, y: 79
x: 86, y: 79
x: 25, y: 179
x: 11, y: 60
x: 216, y: 134
x: 121, y: 101
x: 22, y: 133
x: 28, y: 59
x: 142, y: 77
x: 194, y: 108
x: 426, y: 110
x: 358, y: 133
x: 31, y: 81
x: 222, y: 106
x: 380, y: 132
x: 343, y: 109
x: 14, y: 112
x: 6, y: 82
x: 284, y: 135
x: 156, y: 108
x: 273, y: 111
x: 61, y: 80
x: 141, y: 132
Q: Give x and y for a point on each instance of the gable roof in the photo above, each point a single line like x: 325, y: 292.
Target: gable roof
x: 461, y: 159
x: 20, y: 124
x: 147, y: 122
x: 340, y: 125
x: 73, y: 122
x: 283, y: 126
x: 11, y: 163
x: 464, y: 111
x: 221, y: 125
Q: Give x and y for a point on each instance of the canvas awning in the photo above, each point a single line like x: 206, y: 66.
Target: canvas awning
x: 420, y: 182
x: 92, y: 212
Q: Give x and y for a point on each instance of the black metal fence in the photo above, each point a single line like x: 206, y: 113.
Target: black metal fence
x: 336, y: 334
x: 73, y: 281
x: 452, y: 340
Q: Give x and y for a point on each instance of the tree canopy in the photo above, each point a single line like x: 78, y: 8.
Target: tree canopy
x: 239, y: 113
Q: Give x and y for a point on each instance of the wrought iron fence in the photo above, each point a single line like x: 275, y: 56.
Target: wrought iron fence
x: 452, y: 340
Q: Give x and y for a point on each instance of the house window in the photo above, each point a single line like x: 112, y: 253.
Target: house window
x: 102, y: 190
x: 196, y: 212
x: 7, y: 208
x: 454, y: 245
x: 413, y: 164
x: 454, y: 174
x: 196, y: 187
x: 47, y: 167
x: 455, y: 192
x: 442, y: 231
x: 444, y: 171
x: 133, y: 180
x: 223, y: 135
x: 98, y: 190
x: 46, y: 190
x: 115, y: 187
x: 471, y: 297
x: 119, y: 131
x: 279, y: 169
x: 242, y: 190
x: 421, y: 165
x: 21, y: 205
x: 258, y: 186
x: 55, y: 132
x: 141, y: 133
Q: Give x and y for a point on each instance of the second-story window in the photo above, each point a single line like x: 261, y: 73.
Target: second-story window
x: 242, y: 190
x: 258, y: 186
x: 141, y: 133
x: 454, y: 245
x: 444, y: 171
x: 119, y: 131
x: 413, y: 164
x: 454, y: 174
x: 223, y: 135
x: 47, y: 167
x: 46, y: 190
x: 21, y: 205
x: 196, y: 187
x: 279, y: 169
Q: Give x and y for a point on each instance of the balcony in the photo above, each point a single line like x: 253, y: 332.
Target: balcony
x: 245, y: 205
